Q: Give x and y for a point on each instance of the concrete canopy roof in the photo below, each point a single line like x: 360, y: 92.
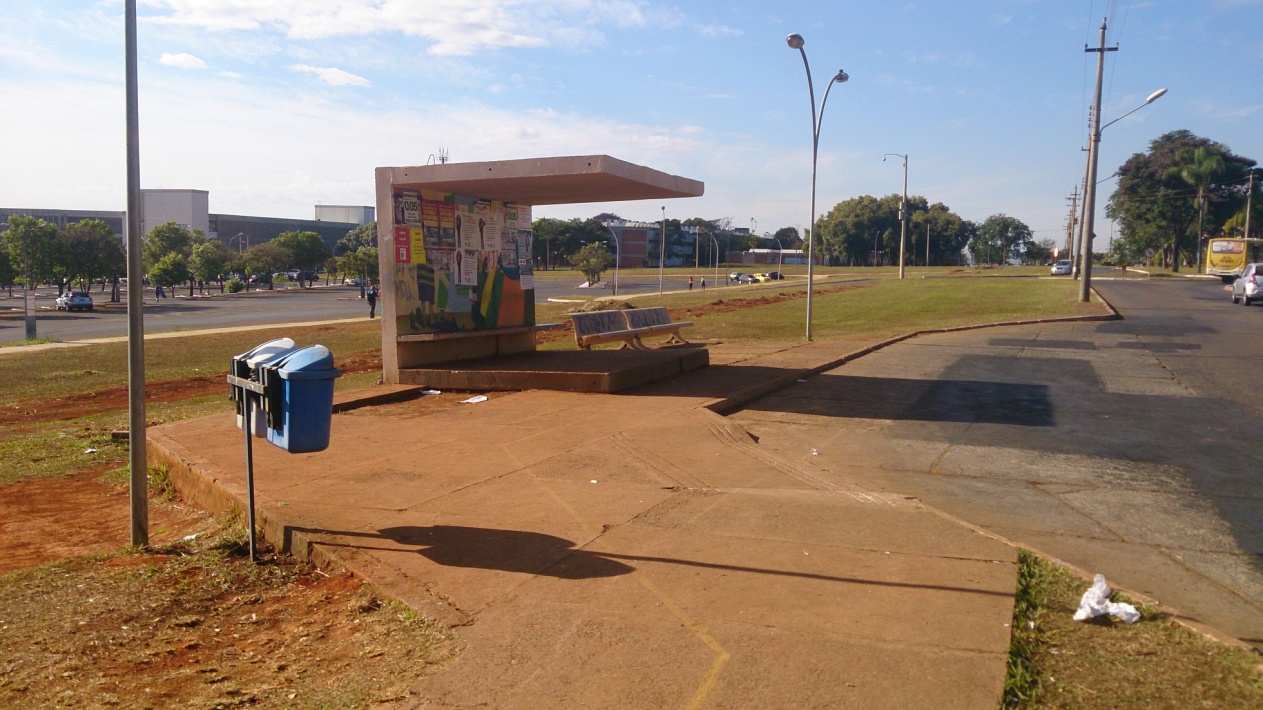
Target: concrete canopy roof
x: 546, y: 181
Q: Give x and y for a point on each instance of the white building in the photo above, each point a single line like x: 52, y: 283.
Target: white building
x: 353, y: 214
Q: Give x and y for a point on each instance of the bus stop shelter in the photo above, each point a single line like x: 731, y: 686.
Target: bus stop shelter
x: 457, y: 275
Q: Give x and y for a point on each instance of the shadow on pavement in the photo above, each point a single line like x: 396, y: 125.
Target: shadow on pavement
x: 551, y: 556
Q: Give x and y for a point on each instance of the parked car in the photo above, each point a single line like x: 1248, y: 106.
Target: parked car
x: 352, y: 281
x: 261, y: 279
x: 1249, y: 286
x: 76, y: 301
x: 746, y: 279
x: 735, y: 276
x: 775, y: 276
x: 1064, y: 267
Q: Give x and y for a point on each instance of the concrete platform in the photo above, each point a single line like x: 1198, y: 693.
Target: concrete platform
x: 603, y: 371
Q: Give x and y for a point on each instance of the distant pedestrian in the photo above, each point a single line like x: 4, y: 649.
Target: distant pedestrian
x: 372, y: 302
x: 690, y: 283
x: 157, y: 293
x: 703, y: 283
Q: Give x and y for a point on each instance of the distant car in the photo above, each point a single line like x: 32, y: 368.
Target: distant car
x: 1063, y: 267
x: 761, y: 278
x: 77, y: 301
x: 735, y: 276
x: 261, y: 279
x: 352, y: 281
x: 775, y: 276
x: 746, y: 279
x: 1249, y: 286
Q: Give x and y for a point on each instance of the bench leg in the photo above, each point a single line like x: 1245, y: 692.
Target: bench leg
x: 676, y: 339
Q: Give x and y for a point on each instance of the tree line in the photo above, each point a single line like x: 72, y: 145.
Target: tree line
x: 34, y: 251
x: 1181, y: 191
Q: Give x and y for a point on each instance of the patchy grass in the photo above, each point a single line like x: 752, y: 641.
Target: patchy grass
x: 198, y: 625
x: 70, y: 371
x: 30, y: 341
x: 1056, y: 662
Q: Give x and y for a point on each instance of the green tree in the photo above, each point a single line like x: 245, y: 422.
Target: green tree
x: 1198, y: 169
x: 31, y: 244
x: 788, y: 238
x: 306, y: 249
x: 209, y: 262
x: 364, y: 235
x: 6, y: 271
x: 592, y: 259
x: 170, y: 270
x: 85, y: 251
x: 266, y: 258
x: 1157, y: 209
x: 999, y: 239
x: 166, y: 238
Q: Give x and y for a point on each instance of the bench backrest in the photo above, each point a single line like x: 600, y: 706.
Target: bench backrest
x: 647, y: 317
x: 598, y: 322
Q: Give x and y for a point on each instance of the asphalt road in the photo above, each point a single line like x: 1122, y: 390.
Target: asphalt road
x: 1129, y: 448
x: 256, y: 308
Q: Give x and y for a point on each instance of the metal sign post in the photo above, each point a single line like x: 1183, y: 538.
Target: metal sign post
x: 29, y: 302
x: 245, y: 388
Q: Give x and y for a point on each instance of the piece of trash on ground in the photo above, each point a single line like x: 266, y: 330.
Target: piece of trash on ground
x: 89, y: 451
x: 814, y: 452
x: 592, y: 481
x: 431, y: 392
x: 475, y: 399
x: 1096, y: 602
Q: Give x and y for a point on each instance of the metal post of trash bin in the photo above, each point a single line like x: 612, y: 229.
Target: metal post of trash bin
x: 246, y: 388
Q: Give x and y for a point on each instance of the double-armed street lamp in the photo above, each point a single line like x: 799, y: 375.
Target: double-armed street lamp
x: 796, y: 41
x: 610, y: 226
x: 903, y: 210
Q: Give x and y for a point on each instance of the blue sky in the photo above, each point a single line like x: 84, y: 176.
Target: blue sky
x: 275, y: 105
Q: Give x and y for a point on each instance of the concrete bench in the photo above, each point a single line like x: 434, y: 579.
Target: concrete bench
x: 626, y: 326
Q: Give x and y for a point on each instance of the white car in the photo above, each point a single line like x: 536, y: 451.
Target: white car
x: 1063, y: 267
x: 1249, y: 287
x: 77, y: 301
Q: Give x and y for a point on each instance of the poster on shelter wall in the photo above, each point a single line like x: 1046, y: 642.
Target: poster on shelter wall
x: 464, y: 264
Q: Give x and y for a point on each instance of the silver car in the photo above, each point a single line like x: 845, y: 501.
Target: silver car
x: 1249, y: 286
x: 1063, y: 267
x: 77, y: 301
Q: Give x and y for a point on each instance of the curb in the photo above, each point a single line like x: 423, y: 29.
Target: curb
x: 739, y: 400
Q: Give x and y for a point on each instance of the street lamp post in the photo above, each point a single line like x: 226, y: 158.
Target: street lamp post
x: 796, y: 41
x: 780, y: 256
x: 662, y: 248
x: 608, y: 225
x: 715, y: 241
x: 903, y: 210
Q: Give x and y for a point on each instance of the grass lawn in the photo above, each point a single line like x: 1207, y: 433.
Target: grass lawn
x: 1056, y: 662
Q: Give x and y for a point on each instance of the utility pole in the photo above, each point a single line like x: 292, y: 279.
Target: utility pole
x: 1094, y: 149
x: 1074, y: 207
x: 135, y: 304
x: 662, y: 248
x: 903, y: 219
x: 1249, y: 201
x: 1078, y: 245
x: 927, y: 241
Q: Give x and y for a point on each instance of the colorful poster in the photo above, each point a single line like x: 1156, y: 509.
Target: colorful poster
x: 408, y: 210
x: 525, y: 259
x: 447, y: 224
x: 430, y: 223
x: 468, y: 234
x: 467, y: 268
x: 403, y: 246
x: 416, y: 239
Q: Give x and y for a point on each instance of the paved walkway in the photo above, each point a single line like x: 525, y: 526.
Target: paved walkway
x: 1128, y: 448
x: 633, y: 551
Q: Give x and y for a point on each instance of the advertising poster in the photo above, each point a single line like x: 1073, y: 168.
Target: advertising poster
x: 447, y: 224
x: 416, y: 240
x: 508, y: 250
x: 468, y: 233
x: 430, y: 223
x: 403, y: 246
x: 490, y: 219
x: 467, y: 268
x: 408, y: 208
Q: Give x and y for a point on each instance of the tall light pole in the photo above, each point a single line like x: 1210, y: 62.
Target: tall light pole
x: 608, y: 225
x: 780, y: 256
x: 662, y: 248
x: 903, y: 210
x: 1094, y: 149
x: 135, y: 305
x: 715, y: 280
x: 796, y: 41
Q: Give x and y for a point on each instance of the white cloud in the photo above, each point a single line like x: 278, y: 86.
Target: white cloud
x: 332, y: 75
x: 716, y: 31
x: 181, y: 60
x: 451, y: 27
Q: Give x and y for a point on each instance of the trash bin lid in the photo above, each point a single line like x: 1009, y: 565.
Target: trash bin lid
x: 267, y: 351
x: 314, y: 362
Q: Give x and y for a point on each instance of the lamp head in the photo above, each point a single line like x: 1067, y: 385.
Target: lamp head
x: 795, y: 41
x: 841, y: 77
x: 1156, y: 95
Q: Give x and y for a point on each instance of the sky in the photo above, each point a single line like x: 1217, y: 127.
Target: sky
x: 276, y: 105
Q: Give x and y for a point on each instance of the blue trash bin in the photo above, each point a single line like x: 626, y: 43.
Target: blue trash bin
x: 246, y: 365
x: 303, y: 381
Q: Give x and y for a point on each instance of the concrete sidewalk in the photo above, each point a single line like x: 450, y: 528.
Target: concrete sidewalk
x: 631, y: 550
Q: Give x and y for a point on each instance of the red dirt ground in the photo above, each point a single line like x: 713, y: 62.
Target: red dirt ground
x: 47, y: 519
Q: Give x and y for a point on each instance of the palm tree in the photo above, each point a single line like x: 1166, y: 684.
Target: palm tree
x: 1199, y: 167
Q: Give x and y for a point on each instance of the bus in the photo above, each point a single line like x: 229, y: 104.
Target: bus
x: 1226, y: 257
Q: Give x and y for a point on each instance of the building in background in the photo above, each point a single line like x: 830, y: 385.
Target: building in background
x: 633, y: 242
x: 771, y: 256
x: 191, y: 208
x: 353, y: 214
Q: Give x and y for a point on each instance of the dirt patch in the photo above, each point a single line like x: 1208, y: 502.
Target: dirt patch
x: 115, y: 398
x: 728, y: 305
x: 48, y: 519
x: 204, y: 627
